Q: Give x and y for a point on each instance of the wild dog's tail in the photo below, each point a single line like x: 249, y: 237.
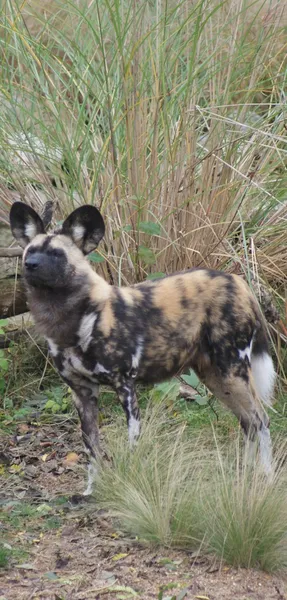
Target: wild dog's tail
x: 262, y: 365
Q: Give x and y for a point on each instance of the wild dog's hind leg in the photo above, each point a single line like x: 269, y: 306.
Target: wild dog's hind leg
x: 86, y: 402
x: 236, y: 390
x: 125, y: 389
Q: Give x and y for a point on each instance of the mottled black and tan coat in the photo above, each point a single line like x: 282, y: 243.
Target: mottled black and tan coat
x: 103, y: 334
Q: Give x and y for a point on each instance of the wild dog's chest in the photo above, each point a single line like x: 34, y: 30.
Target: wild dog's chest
x: 106, y: 366
x: 75, y: 365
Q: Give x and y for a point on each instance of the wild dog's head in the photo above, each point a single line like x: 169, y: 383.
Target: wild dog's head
x: 53, y: 260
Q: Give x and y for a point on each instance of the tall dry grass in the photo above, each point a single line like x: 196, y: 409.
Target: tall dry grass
x: 167, y: 115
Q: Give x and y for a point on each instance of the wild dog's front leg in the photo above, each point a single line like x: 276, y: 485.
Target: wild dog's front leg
x: 127, y: 396
x: 86, y: 401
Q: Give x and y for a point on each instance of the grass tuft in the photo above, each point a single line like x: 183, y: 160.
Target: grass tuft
x: 149, y: 489
x: 245, y: 515
x: 176, y: 491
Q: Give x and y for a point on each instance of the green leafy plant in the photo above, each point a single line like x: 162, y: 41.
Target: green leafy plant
x: 194, y: 382
x: 95, y: 257
x: 59, y: 401
x: 171, y: 389
x: 168, y: 389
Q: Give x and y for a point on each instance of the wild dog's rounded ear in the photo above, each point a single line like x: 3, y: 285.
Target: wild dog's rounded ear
x: 86, y: 227
x: 25, y: 223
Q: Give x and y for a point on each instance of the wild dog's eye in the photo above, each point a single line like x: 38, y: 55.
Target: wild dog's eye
x: 32, y: 250
x: 57, y: 252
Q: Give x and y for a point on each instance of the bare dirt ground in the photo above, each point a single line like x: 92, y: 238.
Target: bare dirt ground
x: 64, y: 548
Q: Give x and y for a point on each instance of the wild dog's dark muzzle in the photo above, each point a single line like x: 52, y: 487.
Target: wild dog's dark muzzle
x: 32, y: 262
x: 42, y: 269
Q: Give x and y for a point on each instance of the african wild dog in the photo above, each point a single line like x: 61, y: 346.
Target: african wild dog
x: 102, y: 334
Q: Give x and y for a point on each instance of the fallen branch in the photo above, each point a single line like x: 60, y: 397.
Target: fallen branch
x: 13, y: 299
x: 10, y: 252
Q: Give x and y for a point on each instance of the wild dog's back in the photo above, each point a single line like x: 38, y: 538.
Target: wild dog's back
x: 193, y: 319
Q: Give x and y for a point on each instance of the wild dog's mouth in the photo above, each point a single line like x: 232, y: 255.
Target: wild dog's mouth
x: 41, y: 279
x: 36, y: 280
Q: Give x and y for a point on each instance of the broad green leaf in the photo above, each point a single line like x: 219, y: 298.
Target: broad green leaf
x: 168, y: 389
x: 149, y: 227
x: 152, y: 276
x: 3, y: 364
x: 146, y: 255
x: 95, y: 257
x: 3, y: 323
x: 191, y: 379
x: 201, y: 400
x: 22, y: 413
x: 50, y: 404
x: 44, y: 509
x: 53, y: 406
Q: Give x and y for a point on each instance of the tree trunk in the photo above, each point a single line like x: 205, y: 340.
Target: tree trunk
x: 12, y: 298
x: 12, y: 295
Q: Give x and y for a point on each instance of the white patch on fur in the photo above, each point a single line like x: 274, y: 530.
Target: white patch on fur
x: 92, y: 474
x: 74, y: 363
x: 79, y: 367
x: 100, y: 369
x: 264, y: 376
x: 78, y: 233
x: 136, y: 357
x: 54, y: 350
x: 30, y: 230
x: 134, y: 424
x: 265, y: 450
x: 250, y: 450
x: 245, y: 352
x: 86, y: 330
x: 134, y: 430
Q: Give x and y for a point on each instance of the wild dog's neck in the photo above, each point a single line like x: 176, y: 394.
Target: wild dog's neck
x: 58, y: 312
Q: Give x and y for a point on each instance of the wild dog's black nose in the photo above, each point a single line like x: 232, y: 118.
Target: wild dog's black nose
x: 32, y: 262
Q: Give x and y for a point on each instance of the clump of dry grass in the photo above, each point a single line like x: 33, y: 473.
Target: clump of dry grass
x: 245, y: 517
x: 183, y: 492
x: 154, y: 490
